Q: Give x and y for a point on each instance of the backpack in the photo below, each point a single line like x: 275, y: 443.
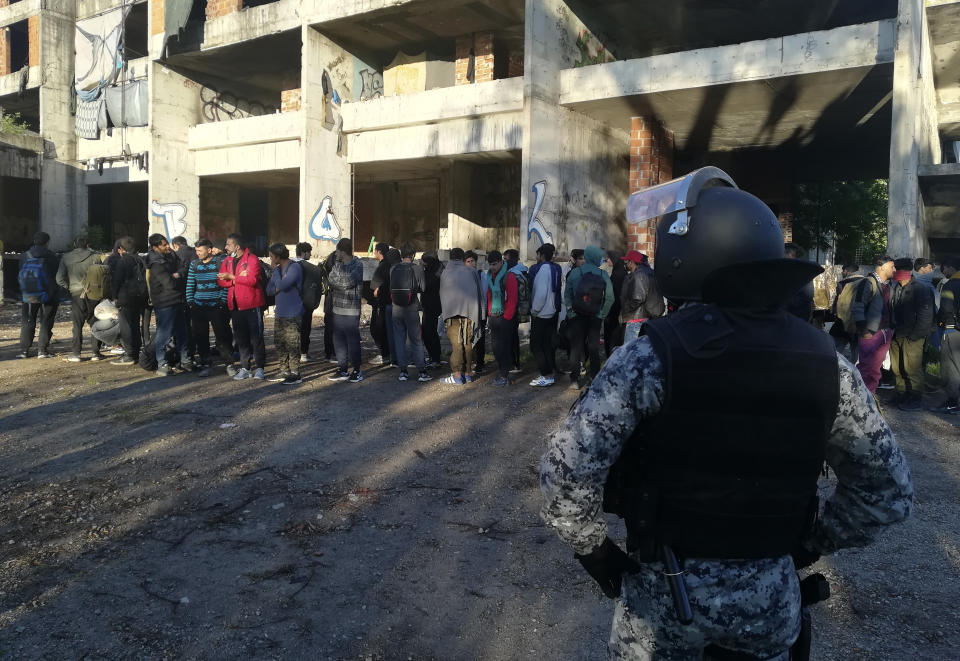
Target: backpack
x: 589, y: 295
x: 97, y: 282
x: 148, y: 355
x: 140, y: 290
x: 402, y: 285
x: 312, y: 286
x: 34, y: 287
x: 266, y: 272
x: 524, y: 285
x: 844, y: 300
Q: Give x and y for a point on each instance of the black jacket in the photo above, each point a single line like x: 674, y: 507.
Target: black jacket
x: 185, y: 255
x: 51, y: 264
x: 128, y: 275
x: 913, y: 306
x: 430, y: 298
x: 165, y: 290
x: 381, y: 278
x: 617, y: 276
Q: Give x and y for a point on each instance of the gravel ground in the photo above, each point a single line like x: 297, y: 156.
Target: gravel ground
x: 183, y: 518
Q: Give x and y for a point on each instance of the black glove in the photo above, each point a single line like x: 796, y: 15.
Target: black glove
x: 606, y: 565
x: 803, y: 557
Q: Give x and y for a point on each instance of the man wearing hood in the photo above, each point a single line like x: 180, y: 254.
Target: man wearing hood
x: 38, y: 268
x: 460, y: 300
x: 586, y: 327
x: 346, y: 282
x: 167, y: 293
x: 612, y: 328
x: 519, y: 270
x: 70, y: 276
x: 913, y: 311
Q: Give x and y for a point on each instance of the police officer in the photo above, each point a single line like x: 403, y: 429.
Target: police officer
x: 709, y: 433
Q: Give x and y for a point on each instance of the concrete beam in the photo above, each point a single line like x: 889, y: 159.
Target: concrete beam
x: 482, y: 99
x: 247, y: 131
x: 234, y: 159
x: 10, y: 84
x: 502, y: 132
x: 322, y: 11
x: 19, y: 11
x: 939, y: 170
x: 251, y: 23
x: 846, y: 47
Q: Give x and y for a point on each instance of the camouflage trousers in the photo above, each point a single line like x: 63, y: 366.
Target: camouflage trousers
x: 286, y: 337
x: 750, y: 606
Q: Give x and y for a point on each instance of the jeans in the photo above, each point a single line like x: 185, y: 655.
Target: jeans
x: 286, y: 336
x: 131, y: 334
x: 950, y: 363
x: 503, y: 331
x: 248, y: 332
x: 28, y: 324
x: 202, y: 318
x: 612, y: 332
x: 346, y: 340
x: 81, y: 314
x: 381, y: 328
x: 406, y: 327
x: 631, y: 331
x: 873, y: 350
x: 906, y: 359
x: 431, y: 339
x: 306, y: 326
x: 541, y: 343
x: 460, y: 332
x: 480, y: 350
x: 171, y: 322
x: 580, y: 329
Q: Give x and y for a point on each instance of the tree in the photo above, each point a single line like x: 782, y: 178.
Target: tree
x: 12, y: 124
x: 852, y: 215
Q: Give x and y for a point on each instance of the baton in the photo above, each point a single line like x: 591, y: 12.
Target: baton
x: 678, y: 590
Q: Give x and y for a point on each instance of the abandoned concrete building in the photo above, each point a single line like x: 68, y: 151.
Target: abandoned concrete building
x: 476, y: 123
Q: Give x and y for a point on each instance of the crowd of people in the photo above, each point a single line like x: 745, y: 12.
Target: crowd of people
x: 893, y: 312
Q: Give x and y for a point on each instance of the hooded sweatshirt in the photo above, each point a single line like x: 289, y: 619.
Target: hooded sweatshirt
x: 165, y: 290
x: 346, y: 283
x: 50, y: 266
x: 73, y: 269
x: 460, y: 291
x: 594, y: 257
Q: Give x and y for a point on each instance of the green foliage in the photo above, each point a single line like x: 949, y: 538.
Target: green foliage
x: 12, y: 123
x: 854, y: 212
x: 96, y: 236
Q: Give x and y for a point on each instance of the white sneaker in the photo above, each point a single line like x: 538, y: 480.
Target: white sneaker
x: 304, y: 358
x: 376, y: 360
x: 242, y: 373
x: 258, y: 374
x: 542, y: 381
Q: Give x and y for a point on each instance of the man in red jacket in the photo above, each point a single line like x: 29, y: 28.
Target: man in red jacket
x: 502, y: 314
x: 241, y: 274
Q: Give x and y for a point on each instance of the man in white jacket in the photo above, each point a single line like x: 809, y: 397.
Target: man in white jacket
x: 545, y: 305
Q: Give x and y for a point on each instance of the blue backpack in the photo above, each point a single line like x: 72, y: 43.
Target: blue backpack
x: 34, y: 287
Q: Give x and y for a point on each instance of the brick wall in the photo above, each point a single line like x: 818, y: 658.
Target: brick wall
x: 515, y: 64
x: 786, y: 224
x: 218, y: 8
x: 483, y: 58
x: 651, y: 163
x: 156, y: 16
x: 4, y: 49
x: 290, y: 100
x: 33, y: 31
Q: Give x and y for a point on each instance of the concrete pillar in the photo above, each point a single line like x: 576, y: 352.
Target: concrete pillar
x: 914, y: 139
x: 326, y: 204
x: 218, y: 8
x: 480, y: 45
x: 651, y: 163
x: 174, y: 190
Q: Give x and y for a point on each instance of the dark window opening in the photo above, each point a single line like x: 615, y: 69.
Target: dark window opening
x: 116, y: 210
x: 25, y: 107
x: 256, y: 3
x: 135, y: 43
x: 191, y: 35
x: 19, y: 35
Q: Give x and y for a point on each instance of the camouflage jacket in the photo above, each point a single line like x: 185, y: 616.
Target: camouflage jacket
x: 873, y: 490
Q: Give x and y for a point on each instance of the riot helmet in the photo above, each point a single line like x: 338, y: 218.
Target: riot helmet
x: 717, y: 243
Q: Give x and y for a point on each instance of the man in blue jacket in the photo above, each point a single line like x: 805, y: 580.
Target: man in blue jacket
x: 285, y: 285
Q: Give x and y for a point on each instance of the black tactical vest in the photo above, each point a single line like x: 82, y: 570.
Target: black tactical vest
x: 729, y: 467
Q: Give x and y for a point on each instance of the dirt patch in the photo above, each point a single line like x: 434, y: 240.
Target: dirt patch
x: 178, y: 517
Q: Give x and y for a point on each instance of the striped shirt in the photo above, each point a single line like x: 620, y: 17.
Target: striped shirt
x: 202, y: 287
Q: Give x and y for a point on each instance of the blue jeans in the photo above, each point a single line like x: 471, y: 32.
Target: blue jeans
x: 631, y: 330
x: 406, y: 325
x: 171, y: 322
x: 346, y: 340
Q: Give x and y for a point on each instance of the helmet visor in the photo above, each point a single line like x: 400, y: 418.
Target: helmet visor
x: 675, y: 195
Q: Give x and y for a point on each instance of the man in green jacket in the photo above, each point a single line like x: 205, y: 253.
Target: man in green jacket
x: 70, y: 276
x: 588, y: 298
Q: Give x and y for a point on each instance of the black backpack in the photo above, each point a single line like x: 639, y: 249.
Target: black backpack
x: 312, y: 285
x: 402, y: 284
x: 589, y: 295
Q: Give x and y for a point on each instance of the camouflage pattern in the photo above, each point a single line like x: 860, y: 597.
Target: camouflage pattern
x: 286, y: 336
x: 749, y: 606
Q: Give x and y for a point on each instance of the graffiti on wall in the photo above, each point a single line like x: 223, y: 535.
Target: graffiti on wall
x: 173, y: 215
x: 324, y: 225
x: 588, y: 54
x: 221, y: 106
x: 535, y: 226
x: 372, y: 84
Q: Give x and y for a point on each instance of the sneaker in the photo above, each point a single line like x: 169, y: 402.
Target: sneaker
x: 424, y: 377
x: 542, y: 382
x: 377, y: 360
x: 116, y: 351
x: 431, y: 365
x: 44, y: 354
x: 163, y: 370
x: 242, y: 373
x: 72, y: 358
x: 125, y: 360
x: 279, y: 377
x: 22, y: 354
x: 258, y: 374
x: 339, y: 375
x: 947, y: 407
x: 292, y: 379
x: 886, y: 386
x: 468, y: 378
x: 186, y: 366
x: 403, y: 377
x: 355, y: 376
x: 304, y: 358
x: 453, y: 380
x: 501, y: 381
x: 333, y: 361
x: 232, y: 370
x: 516, y: 370
x: 97, y: 357
x: 204, y: 371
